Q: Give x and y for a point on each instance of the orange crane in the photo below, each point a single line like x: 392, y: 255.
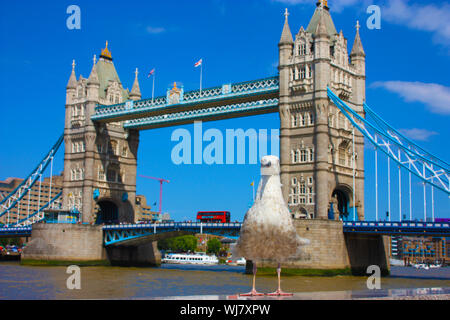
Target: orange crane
x: 161, y: 181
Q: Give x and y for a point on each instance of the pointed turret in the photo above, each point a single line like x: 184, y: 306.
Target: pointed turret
x: 321, y: 28
x: 357, y: 50
x: 135, y: 93
x: 72, y: 84
x: 93, y: 78
x: 286, y: 35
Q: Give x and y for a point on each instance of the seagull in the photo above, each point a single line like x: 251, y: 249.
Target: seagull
x: 268, y: 231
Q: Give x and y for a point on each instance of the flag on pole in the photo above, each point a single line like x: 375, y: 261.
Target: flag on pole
x: 151, y: 73
x: 199, y: 63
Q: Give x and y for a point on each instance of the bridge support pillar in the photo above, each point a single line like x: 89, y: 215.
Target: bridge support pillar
x: 143, y: 255
x: 365, y: 250
x: 331, y: 251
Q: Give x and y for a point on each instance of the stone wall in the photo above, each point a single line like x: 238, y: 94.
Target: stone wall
x: 330, y: 248
x: 65, y: 242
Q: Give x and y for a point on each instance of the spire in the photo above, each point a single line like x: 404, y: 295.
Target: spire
x: 72, y: 84
x: 358, y: 49
x: 286, y: 36
x: 321, y: 29
x: 93, y: 78
x: 136, y: 91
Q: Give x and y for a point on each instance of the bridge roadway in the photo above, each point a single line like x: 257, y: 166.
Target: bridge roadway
x: 129, y: 234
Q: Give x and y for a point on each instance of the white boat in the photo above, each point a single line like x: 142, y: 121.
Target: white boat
x: 183, y: 258
x: 241, y: 262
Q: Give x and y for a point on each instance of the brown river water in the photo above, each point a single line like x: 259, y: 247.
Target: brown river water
x: 25, y: 282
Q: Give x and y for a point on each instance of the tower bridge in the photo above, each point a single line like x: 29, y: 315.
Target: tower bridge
x: 319, y: 95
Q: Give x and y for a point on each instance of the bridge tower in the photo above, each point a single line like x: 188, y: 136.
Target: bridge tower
x: 100, y: 160
x: 316, y: 140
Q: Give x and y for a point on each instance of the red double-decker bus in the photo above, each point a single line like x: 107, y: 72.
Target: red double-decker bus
x: 213, y: 216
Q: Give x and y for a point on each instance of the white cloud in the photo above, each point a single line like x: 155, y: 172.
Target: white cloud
x: 155, y: 30
x: 430, y: 17
x: 418, y: 134
x: 435, y: 96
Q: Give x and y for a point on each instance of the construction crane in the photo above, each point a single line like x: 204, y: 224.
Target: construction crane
x: 161, y: 181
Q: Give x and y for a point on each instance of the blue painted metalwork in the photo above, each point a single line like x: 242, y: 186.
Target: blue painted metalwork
x: 430, y: 169
x: 398, y: 228
x: 115, y: 234
x: 226, y: 92
x: 11, y: 200
x: 199, y: 114
x: 36, y: 216
x: 15, y: 232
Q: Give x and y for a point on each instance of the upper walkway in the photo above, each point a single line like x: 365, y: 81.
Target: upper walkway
x: 227, y: 101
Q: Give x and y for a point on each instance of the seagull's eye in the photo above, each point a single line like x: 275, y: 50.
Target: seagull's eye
x: 267, y: 164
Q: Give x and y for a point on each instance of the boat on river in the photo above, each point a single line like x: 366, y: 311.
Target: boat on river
x: 195, y: 258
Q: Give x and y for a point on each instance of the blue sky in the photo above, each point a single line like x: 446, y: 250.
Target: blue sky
x: 407, y: 79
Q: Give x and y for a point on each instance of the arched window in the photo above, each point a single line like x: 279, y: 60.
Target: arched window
x: 311, y: 155
x: 302, y: 49
x: 311, y: 119
x: 304, y: 156
x: 294, y: 121
x: 113, y: 148
x: 342, y: 153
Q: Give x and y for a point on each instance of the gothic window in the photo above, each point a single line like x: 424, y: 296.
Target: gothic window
x: 311, y: 119
x: 302, y: 120
x: 304, y: 156
x: 302, y: 72
x: 113, y: 148
x: 295, y: 156
x: 111, y: 175
x: 310, y: 71
x: 310, y: 180
x: 294, y: 121
x: 124, y: 151
x: 101, y: 174
x: 342, y: 153
x: 302, y: 49
x: 294, y: 181
x: 311, y: 155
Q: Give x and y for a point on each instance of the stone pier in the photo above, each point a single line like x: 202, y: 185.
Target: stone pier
x: 331, y: 249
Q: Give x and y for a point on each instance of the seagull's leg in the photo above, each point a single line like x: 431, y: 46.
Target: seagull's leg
x: 253, y: 292
x: 279, y: 292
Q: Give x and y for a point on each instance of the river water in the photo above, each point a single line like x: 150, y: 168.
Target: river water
x: 25, y: 282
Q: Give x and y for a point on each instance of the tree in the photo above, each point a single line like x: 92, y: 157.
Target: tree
x: 213, y: 246
x: 178, y: 244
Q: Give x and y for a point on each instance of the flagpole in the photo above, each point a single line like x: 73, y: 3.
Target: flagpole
x: 201, y: 78
x: 153, y: 89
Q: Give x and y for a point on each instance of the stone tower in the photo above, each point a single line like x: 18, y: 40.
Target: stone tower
x: 316, y: 140
x: 100, y: 159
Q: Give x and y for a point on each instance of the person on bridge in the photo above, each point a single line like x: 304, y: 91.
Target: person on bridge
x: 268, y: 232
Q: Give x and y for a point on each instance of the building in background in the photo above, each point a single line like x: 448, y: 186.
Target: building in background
x: 40, y: 194
x: 144, y: 211
x: 414, y: 250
